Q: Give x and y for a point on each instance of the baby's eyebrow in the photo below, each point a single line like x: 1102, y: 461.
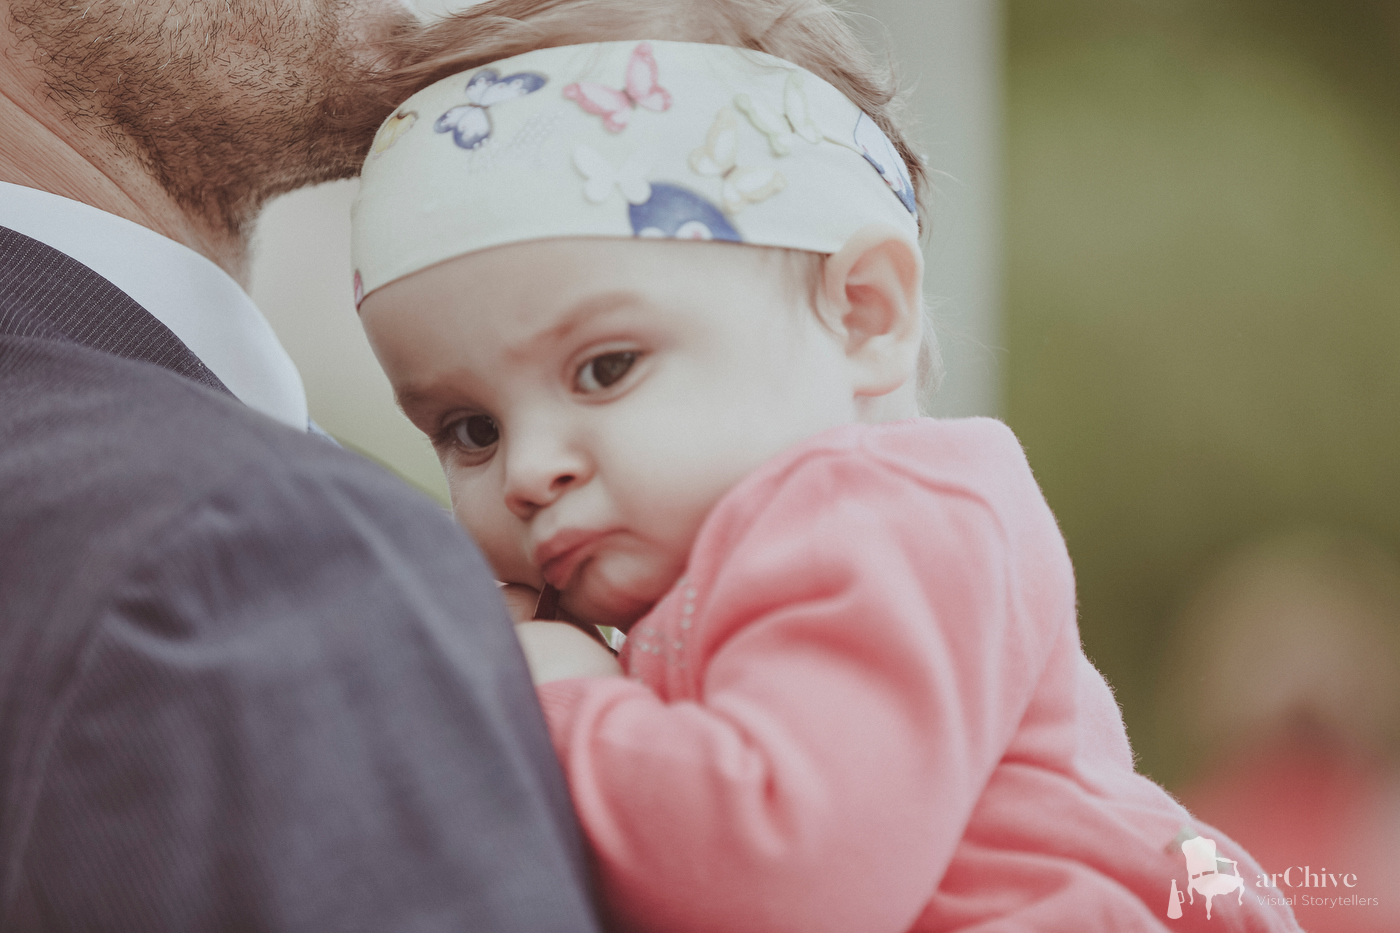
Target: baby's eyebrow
x: 414, y: 400
x: 411, y: 400
x: 580, y: 314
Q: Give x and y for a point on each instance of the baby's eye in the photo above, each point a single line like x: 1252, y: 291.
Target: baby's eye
x: 475, y: 432
x: 604, y: 370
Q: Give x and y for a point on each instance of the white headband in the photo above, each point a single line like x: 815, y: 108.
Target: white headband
x: 623, y: 139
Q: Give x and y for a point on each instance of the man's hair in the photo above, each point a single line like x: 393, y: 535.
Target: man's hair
x: 808, y: 33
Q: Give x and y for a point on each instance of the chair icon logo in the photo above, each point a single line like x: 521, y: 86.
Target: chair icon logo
x: 1204, y: 877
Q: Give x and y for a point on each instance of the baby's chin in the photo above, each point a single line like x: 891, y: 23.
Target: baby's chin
x: 616, y: 592
x: 615, y: 610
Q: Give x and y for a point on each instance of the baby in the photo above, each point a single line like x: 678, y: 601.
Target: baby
x: 852, y: 695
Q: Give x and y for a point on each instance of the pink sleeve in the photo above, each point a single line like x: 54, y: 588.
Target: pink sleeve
x: 863, y: 667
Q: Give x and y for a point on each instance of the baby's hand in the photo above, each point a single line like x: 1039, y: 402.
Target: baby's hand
x: 558, y: 650
x: 520, y: 601
x: 554, y: 650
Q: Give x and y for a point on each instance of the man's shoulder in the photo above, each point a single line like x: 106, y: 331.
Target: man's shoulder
x: 99, y: 454
x: 84, y: 420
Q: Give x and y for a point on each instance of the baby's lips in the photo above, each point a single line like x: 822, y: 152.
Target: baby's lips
x: 559, y: 556
x: 559, y: 573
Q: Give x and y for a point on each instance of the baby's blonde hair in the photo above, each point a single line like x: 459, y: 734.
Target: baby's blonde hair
x: 810, y: 33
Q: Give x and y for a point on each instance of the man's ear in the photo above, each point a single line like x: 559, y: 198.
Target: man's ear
x: 871, y: 300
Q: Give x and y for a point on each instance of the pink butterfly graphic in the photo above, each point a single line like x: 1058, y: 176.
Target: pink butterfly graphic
x: 615, y: 107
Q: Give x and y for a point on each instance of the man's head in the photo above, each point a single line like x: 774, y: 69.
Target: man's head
x: 223, y: 103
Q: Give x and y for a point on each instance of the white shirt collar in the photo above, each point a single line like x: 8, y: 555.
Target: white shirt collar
x: 198, y: 301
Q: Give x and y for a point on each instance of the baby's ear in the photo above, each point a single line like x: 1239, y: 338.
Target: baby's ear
x: 871, y: 298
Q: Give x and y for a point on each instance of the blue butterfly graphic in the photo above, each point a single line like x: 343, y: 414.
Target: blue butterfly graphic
x: 673, y: 212
x: 470, y: 124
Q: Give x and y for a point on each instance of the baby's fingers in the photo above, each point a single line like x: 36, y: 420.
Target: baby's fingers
x: 520, y: 601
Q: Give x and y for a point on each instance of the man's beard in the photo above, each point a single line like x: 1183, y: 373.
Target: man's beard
x: 225, y: 104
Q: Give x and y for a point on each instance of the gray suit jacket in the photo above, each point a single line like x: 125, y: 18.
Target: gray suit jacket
x: 248, y: 681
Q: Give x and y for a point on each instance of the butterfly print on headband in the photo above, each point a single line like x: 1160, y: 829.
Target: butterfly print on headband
x: 880, y: 152
x: 470, y: 124
x: 601, y: 176
x: 674, y: 213
x: 739, y: 185
x: 781, y: 128
x: 641, y: 88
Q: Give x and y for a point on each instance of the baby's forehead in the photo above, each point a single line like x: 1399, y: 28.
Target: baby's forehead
x: 631, y: 261
x: 549, y: 300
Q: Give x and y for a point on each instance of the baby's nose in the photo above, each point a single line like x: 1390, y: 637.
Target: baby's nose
x: 539, y: 471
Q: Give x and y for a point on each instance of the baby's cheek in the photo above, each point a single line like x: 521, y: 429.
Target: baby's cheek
x: 498, y: 543
x: 700, y: 488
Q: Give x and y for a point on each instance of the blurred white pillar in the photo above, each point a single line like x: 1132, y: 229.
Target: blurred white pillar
x: 302, y: 282
x: 948, y: 52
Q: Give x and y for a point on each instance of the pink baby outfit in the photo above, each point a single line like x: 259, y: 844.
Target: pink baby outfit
x: 864, y: 709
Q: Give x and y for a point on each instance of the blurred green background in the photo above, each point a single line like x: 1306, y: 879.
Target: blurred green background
x: 1202, y: 296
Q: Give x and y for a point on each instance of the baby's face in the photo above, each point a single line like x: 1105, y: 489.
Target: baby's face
x: 592, y: 399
